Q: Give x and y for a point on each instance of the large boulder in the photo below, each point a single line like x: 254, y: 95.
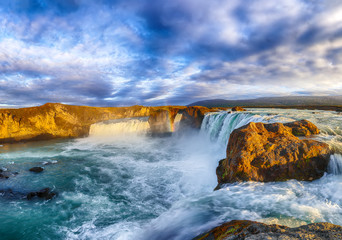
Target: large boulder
x: 302, y: 128
x: 244, y: 229
x: 270, y: 152
x: 36, y: 169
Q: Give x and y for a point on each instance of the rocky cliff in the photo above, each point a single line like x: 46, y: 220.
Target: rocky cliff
x: 54, y: 120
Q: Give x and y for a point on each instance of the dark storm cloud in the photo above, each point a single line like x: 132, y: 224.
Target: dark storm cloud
x: 166, y: 52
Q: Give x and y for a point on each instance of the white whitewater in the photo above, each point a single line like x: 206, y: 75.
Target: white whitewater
x: 220, y: 125
x: 119, y: 127
x: 335, y: 164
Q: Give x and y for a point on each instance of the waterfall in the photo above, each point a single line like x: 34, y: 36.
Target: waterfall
x: 176, y: 122
x: 120, y: 127
x: 220, y: 125
x: 335, y: 164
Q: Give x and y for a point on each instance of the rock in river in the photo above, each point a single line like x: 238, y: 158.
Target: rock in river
x: 270, y: 152
x: 238, y: 109
x: 36, y: 169
x: 5, y: 173
x: 45, y: 193
x: 243, y: 229
x: 302, y: 128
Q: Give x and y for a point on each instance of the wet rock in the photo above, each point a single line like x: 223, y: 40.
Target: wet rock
x: 217, y: 109
x: 4, y: 173
x: 9, y: 194
x: 270, y: 152
x: 160, y: 123
x: 238, y: 109
x: 243, y: 229
x: 36, y: 169
x: 45, y: 193
x: 302, y: 128
x: 3, y: 176
x: 192, y: 117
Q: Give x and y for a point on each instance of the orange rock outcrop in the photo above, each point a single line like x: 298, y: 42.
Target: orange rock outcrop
x: 244, y: 229
x: 270, y: 152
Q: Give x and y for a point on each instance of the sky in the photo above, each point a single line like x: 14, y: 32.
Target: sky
x: 167, y: 52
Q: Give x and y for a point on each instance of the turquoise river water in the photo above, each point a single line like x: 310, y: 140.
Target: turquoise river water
x: 119, y: 183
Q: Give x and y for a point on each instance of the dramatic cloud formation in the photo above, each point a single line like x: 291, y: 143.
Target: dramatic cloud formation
x: 124, y: 52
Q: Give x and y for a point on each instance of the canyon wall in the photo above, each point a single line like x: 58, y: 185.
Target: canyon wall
x: 55, y: 120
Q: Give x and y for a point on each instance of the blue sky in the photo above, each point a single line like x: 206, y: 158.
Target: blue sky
x: 157, y: 52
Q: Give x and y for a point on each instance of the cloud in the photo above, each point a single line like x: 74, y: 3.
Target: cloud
x: 167, y: 52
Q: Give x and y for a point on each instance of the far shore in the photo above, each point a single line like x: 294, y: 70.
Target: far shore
x: 302, y: 107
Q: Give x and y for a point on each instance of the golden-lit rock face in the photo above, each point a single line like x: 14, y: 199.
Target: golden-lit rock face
x: 271, y: 152
x: 244, y: 229
x: 54, y: 120
x: 238, y: 109
x: 160, y: 121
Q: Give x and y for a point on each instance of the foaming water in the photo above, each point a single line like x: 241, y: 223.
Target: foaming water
x: 151, y: 176
x: 220, y: 125
x: 137, y: 187
x: 335, y: 164
x: 289, y: 203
